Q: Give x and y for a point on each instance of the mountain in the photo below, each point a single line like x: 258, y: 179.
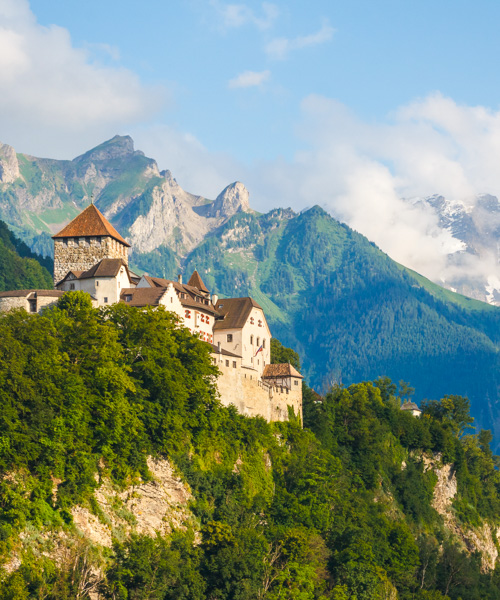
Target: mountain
x: 20, y: 268
x: 351, y: 312
x: 474, y: 268
x: 38, y: 196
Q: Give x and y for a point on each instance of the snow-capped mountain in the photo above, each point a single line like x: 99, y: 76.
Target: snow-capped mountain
x: 473, y: 266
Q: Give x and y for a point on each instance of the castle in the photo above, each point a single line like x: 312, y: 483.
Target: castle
x: 91, y: 256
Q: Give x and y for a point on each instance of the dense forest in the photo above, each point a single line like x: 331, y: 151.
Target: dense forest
x: 339, y: 508
x: 20, y: 268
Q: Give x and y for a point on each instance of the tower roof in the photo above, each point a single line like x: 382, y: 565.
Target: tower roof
x: 197, y: 282
x: 90, y: 222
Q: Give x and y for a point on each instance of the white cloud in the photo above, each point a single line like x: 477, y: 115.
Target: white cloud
x: 361, y: 172
x: 54, y: 97
x: 249, y: 79
x: 280, y: 48
x: 237, y: 15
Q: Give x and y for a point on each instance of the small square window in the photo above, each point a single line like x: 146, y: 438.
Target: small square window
x: 105, y: 300
x: 128, y: 297
x: 229, y: 337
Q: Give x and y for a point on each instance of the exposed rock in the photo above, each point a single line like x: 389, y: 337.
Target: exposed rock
x: 156, y: 506
x: 233, y: 199
x: 9, y: 165
x: 117, y: 147
x: 475, y: 539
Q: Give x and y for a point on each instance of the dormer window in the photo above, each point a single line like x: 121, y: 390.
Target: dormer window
x: 128, y: 297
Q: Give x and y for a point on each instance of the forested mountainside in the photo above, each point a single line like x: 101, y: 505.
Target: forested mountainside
x: 351, y: 312
x: 20, y: 268
x: 111, y: 430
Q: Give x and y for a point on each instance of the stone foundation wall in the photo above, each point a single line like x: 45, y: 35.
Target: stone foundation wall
x: 80, y: 254
x: 22, y: 302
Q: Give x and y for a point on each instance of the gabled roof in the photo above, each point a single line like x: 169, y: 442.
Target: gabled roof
x: 90, y: 222
x: 235, y: 312
x: 186, y: 292
x: 107, y: 267
x: 143, y: 296
x: 280, y: 370
x: 197, y: 282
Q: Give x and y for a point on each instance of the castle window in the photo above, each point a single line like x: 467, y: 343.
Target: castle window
x: 264, y: 343
x: 105, y: 299
x: 97, y: 283
x: 128, y: 297
x: 229, y: 337
x: 234, y: 364
x: 32, y: 305
x: 295, y: 382
x: 71, y: 286
x: 227, y: 363
x: 258, y: 344
x: 251, y: 339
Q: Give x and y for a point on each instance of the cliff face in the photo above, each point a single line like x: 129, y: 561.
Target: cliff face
x: 483, y: 539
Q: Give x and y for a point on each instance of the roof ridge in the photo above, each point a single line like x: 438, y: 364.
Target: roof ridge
x: 90, y: 222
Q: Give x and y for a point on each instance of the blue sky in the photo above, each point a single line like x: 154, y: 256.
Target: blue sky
x: 373, y: 57
x: 357, y: 106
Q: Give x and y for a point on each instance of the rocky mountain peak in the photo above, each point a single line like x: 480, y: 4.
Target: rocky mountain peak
x: 232, y: 199
x: 117, y: 147
x: 9, y: 166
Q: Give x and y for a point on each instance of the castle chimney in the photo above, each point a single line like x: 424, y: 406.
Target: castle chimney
x: 179, y: 278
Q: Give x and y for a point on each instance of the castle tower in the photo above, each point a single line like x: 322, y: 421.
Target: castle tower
x: 85, y: 241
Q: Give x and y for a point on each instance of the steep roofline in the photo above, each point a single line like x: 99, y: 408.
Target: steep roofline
x: 90, y: 223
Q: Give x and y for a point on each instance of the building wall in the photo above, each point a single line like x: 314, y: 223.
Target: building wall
x: 100, y: 288
x: 82, y: 253
x: 244, y: 388
x: 246, y: 341
x: 22, y: 302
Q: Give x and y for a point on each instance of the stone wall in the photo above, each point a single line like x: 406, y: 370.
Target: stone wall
x: 80, y: 254
x: 244, y: 388
x: 12, y: 302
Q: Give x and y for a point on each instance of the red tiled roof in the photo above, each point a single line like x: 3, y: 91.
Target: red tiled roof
x: 197, y: 282
x: 280, y: 370
x: 235, y: 312
x: 90, y: 222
